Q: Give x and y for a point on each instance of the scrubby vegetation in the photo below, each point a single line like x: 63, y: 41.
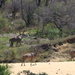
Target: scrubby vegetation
x: 51, y: 19
x: 50, y: 25
x: 5, y: 70
x: 48, y: 21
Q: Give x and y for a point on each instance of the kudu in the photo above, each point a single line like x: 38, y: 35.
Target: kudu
x: 72, y: 54
x: 18, y: 39
x: 30, y: 56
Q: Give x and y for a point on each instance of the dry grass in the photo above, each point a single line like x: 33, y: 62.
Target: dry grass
x: 50, y: 55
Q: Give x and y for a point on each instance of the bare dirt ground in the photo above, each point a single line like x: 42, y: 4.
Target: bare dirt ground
x: 51, y: 68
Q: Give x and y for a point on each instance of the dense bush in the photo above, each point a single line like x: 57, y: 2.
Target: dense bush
x: 4, y: 25
x: 4, y: 70
x: 48, y: 32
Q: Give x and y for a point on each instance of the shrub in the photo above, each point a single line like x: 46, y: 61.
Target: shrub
x: 3, y: 23
x: 4, y: 70
x: 48, y: 32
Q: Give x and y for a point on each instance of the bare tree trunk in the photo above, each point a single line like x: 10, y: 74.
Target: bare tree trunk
x: 22, y: 14
x: 13, y: 11
x: 38, y: 2
x: 60, y: 33
x: 27, y: 21
x: 46, y: 2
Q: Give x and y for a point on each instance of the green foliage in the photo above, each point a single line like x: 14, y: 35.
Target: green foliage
x: 3, y: 22
x: 49, y: 32
x: 3, y: 42
x: 8, y: 0
x: 5, y: 39
x: 33, y: 31
x: 20, y: 23
x: 58, y: 6
x: 4, y: 70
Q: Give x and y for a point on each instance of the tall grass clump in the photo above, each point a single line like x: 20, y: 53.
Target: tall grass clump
x: 4, y: 70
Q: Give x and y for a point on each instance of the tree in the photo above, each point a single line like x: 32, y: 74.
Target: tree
x: 14, y: 7
x: 38, y: 2
x: 47, y: 2
x: 27, y: 11
x: 62, y: 15
x: 2, y: 2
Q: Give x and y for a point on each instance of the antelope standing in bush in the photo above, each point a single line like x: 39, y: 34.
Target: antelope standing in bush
x: 18, y: 39
x: 72, y: 54
x: 30, y: 56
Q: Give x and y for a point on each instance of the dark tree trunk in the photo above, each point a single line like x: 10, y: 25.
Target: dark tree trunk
x: 46, y: 2
x: 38, y: 2
x: 28, y: 21
x: 60, y: 33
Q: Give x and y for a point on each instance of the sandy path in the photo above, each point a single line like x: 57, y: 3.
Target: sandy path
x: 54, y: 68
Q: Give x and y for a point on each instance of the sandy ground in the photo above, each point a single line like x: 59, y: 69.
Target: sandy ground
x: 51, y: 68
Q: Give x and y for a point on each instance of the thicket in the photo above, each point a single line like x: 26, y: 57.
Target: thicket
x: 53, y: 19
x: 4, y: 70
x: 4, y: 23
